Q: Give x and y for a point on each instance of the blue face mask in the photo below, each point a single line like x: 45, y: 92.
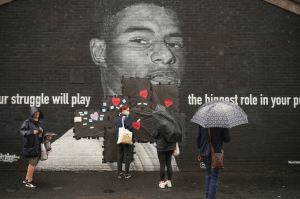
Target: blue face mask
x: 127, y: 114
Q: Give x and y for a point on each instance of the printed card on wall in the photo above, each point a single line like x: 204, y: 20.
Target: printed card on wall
x: 143, y: 124
x: 167, y: 95
x: 87, y: 123
x: 138, y: 91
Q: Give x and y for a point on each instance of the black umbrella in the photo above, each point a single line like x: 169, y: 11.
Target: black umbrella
x: 167, y: 124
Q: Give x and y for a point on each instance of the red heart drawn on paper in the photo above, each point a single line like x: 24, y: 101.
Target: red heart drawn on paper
x: 115, y: 101
x: 168, y: 102
x: 144, y: 93
x: 136, y: 125
x: 94, y: 116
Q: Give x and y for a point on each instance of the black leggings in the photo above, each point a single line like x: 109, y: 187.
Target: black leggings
x: 165, y: 158
x: 124, y: 152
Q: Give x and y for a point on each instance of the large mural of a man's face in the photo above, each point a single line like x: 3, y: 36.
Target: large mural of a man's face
x: 145, y: 41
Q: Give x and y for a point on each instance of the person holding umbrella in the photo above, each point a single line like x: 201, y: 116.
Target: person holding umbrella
x: 218, y: 136
x: 214, y: 119
x: 164, y: 152
x: 167, y: 133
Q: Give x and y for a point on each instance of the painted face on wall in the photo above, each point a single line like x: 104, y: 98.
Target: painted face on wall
x: 146, y: 42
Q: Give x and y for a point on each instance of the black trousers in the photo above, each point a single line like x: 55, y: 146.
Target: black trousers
x: 124, y: 152
x: 165, y: 158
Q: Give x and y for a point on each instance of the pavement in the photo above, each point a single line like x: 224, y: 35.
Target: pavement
x: 106, y: 185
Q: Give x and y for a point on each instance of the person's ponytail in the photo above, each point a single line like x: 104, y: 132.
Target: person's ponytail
x: 124, y: 107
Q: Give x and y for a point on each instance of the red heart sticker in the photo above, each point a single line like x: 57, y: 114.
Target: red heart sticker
x: 136, y: 125
x: 144, y: 93
x: 115, y: 101
x: 168, y: 102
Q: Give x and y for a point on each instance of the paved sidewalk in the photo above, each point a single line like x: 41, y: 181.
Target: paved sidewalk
x: 98, y: 185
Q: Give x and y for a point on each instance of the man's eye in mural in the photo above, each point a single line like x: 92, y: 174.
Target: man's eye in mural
x: 140, y: 41
x: 174, y: 45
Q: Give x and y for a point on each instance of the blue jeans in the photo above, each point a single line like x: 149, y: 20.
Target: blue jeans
x: 212, y: 177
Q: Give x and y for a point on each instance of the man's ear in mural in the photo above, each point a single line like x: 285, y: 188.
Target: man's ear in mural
x: 98, y: 52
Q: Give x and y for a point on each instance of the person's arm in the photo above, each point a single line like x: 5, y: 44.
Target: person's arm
x: 128, y: 124
x: 225, y: 135
x: 198, y: 137
x: 25, y: 130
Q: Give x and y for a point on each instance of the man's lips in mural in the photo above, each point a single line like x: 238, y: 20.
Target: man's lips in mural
x: 165, y: 77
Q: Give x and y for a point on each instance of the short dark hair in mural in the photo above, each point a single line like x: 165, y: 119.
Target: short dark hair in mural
x: 138, y: 40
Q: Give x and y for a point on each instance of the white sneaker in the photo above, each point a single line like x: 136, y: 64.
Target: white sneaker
x: 168, y: 184
x: 161, y: 185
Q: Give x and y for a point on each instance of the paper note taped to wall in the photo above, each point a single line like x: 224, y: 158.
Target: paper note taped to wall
x: 77, y: 119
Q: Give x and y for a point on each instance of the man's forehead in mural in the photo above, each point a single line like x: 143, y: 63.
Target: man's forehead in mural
x: 145, y: 40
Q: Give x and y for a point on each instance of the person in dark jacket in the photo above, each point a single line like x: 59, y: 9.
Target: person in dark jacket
x: 124, y: 149
x: 164, y: 152
x: 32, y: 131
x: 218, y: 136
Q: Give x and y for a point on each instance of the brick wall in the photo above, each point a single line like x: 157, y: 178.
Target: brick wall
x: 233, y: 48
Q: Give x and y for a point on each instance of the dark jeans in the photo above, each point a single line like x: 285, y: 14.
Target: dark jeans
x: 124, y: 151
x: 165, y: 158
x: 212, y: 178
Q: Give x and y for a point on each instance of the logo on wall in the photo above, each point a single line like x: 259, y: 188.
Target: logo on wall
x: 8, y: 158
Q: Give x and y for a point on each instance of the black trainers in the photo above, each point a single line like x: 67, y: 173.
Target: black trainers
x: 127, y: 176
x: 121, y: 175
x: 31, y: 184
x: 25, y: 181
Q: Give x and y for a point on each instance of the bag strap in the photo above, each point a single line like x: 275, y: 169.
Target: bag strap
x: 211, y: 147
x: 123, y: 121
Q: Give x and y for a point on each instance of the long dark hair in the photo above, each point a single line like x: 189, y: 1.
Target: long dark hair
x: 124, y: 107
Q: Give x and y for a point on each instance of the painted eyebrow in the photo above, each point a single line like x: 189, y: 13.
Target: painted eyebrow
x: 137, y: 29
x: 144, y: 29
x: 176, y: 34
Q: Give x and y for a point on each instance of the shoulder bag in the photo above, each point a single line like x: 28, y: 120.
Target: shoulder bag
x: 125, y: 136
x: 216, y: 158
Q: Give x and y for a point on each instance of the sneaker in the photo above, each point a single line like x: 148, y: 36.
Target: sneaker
x: 127, y: 176
x: 121, y: 176
x: 31, y: 184
x: 161, y: 185
x: 168, y: 184
x: 25, y: 181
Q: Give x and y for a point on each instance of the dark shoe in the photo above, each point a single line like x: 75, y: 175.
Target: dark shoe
x: 31, y: 184
x: 121, y: 176
x: 25, y: 181
x: 127, y: 176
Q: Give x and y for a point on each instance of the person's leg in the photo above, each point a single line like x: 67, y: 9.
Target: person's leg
x: 120, y: 158
x: 169, y: 164
x: 30, y: 172
x: 127, y: 152
x: 213, y: 183
x: 162, y: 162
x: 207, y: 162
